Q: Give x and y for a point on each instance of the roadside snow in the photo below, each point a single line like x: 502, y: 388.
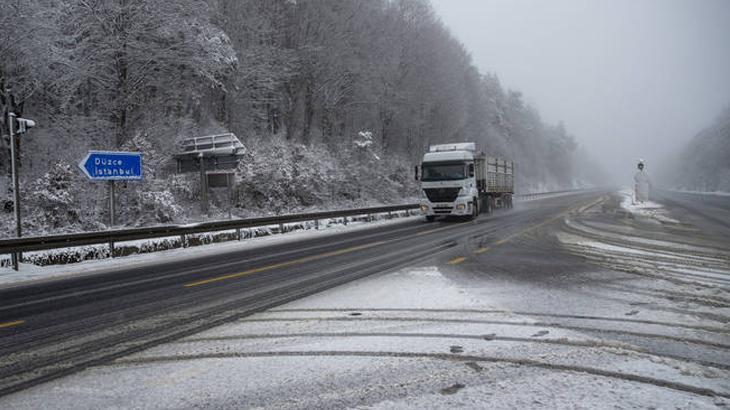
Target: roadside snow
x: 649, y: 209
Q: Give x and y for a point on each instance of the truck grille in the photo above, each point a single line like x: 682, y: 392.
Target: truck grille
x: 442, y: 194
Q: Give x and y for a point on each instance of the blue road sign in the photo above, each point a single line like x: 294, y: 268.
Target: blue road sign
x: 112, y: 166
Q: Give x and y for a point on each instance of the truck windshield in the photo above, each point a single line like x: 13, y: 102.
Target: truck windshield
x: 443, y: 171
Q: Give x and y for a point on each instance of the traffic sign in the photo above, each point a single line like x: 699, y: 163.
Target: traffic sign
x: 112, y: 166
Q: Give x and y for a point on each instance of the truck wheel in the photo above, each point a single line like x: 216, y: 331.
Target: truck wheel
x: 430, y: 218
x: 490, y: 204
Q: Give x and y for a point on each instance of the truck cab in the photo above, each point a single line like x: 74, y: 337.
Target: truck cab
x: 448, y: 181
x: 458, y: 181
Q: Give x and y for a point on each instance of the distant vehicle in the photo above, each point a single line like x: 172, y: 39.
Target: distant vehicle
x: 458, y: 181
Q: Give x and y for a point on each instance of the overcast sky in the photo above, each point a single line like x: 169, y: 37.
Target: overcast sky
x: 630, y: 78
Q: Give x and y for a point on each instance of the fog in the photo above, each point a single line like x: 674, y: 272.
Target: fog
x: 630, y: 79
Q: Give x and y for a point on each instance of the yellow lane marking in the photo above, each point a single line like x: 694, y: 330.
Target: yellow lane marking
x: 454, y: 261
x: 480, y: 251
x: 457, y: 261
x: 284, y: 264
x: 440, y: 229
x: 11, y: 324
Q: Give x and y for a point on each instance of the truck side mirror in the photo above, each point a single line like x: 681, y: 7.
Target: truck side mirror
x: 415, y: 169
x: 471, y: 170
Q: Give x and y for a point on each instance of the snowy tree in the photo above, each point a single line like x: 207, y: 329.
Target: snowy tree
x: 136, y: 57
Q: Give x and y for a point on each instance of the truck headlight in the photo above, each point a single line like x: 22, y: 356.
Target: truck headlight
x: 461, y: 207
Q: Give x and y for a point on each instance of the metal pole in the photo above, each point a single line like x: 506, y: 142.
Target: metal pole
x: 16, y: 257
x: 229, y: 182
x: 203, y: 186
x: 112, y: 211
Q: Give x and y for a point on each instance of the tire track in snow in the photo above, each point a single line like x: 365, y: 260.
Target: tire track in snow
x: 438, y: 356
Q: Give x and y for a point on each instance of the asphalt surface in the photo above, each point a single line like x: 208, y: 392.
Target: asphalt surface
x: 62, y: 326
x: 711, y: 212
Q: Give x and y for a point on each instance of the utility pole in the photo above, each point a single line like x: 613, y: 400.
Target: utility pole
x: 16, y: 185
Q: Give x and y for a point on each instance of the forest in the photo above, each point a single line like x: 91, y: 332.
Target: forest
x: 704, y: 163
x: 334, y: 101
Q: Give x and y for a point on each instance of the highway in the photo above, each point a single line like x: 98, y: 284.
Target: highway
x: 574, y: 263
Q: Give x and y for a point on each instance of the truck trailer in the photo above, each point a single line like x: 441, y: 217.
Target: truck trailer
x: 456, y: 180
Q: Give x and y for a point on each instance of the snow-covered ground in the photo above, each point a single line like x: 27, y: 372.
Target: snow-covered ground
x: 410, y: 339
x: 29, y: 272
x: 683, y: 262
x: 648, y: 209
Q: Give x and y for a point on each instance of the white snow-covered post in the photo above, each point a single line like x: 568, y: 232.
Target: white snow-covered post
x: 641, y: 184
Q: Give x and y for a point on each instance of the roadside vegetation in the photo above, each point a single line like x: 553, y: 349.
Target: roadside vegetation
x: 704, y: 164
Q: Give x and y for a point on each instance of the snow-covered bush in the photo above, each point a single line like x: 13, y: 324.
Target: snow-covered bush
x: 158, y: 206
x: 279, y: 176
x: 364, y: 140
x: 53, y: 197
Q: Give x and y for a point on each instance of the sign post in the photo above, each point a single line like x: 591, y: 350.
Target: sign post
x: 112, y: 212
x: 15, y: 257
x: 112, y: 166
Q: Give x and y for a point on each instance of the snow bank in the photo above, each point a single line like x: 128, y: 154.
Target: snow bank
x: 648, y: 209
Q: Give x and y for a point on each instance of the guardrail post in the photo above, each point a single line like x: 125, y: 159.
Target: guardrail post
x: 183, y: 242
x: 238, y: 233
x: 281, y: 228
x: 344, y: 221
x: 316, y: 224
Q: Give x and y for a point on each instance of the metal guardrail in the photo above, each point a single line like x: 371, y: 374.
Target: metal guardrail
x: 38, y: 243
x: 542, y: 194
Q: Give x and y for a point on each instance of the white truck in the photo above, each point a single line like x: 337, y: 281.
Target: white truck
x: 458, y: 181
